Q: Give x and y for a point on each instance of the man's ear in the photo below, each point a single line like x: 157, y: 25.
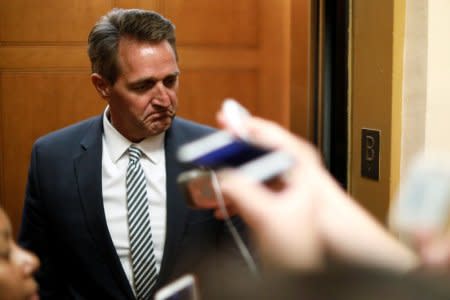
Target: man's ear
x: 101, y: 85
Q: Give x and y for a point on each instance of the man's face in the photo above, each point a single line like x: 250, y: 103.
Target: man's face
x: 143, y: 100
x: 16, y: 266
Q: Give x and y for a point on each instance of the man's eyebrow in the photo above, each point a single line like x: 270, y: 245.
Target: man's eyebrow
x: 5, y: 233
x: 152, y: 79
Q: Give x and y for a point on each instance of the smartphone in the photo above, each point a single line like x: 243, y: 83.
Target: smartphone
x: 219, y: 149
x: 223, y: 148
x: 197, y: 183
x: 423, y: 201
x: 184, y: 288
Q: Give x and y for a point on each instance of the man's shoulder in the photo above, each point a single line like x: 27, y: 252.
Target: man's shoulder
x: 188, y: 126
x: 183, y: 131
x: 71, y: 133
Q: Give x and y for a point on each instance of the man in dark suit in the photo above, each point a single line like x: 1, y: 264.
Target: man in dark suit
x: 77, y: 212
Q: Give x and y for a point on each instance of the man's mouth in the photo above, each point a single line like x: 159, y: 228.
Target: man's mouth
x: 163, y: 114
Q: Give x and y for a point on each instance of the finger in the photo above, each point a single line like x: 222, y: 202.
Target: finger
x: 221, y: 119
x: 436, y: 254
x: 230, y: 211
x: 271, y: 135
x: 251, y: 200
x: 237, y: 128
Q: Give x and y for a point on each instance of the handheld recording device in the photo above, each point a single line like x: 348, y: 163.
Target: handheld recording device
x: 219, y: 149
x: 423, y: 202
x: 197, y: 186
x: 223, y: 149
x: 184, y: 288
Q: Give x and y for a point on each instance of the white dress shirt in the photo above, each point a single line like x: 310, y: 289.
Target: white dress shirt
x: 114, y: 165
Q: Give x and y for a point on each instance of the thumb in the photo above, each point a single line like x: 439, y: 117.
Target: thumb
x: 251, y: 199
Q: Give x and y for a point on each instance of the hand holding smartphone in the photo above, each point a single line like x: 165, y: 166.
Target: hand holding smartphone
x: 423, y: 202
x: 223, y: 149
x: 197, y: 183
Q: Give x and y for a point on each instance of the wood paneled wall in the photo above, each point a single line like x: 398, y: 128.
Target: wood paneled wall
x: 233, y: 48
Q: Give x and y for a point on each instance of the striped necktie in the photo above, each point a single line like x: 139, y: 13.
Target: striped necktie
x: 141, y: 245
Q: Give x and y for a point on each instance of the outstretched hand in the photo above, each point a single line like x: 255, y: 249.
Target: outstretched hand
x: 311, y: 215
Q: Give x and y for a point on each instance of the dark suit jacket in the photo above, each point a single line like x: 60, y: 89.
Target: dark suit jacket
x: 64, y: 221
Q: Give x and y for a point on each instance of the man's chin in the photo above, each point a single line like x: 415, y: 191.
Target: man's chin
x: 160, y: 126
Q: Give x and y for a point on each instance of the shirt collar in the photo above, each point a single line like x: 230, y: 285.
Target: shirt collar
x: 117, y: 145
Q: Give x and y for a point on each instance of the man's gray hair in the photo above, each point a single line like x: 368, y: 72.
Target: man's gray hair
x: 142, y: 25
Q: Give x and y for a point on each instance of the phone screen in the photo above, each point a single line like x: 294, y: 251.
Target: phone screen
x: 183, y: 294
x: 183, y: 288
x: 233, y: 154
x: 219, y: 149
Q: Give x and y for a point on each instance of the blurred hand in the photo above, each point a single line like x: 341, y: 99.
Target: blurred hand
x: 311, y: 215
x: 283, y: 221
x: 434, y: 250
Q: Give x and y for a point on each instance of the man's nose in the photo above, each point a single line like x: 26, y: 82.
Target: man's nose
x: 24, y: 259
x: 161, y: 97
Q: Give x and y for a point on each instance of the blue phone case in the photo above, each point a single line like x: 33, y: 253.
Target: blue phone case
x: 233, y: 154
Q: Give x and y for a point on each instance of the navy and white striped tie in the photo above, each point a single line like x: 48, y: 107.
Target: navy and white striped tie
x: 141, y: 245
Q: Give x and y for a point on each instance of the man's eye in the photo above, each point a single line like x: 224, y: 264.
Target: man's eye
x: 4, y: 255
x: 139, y: 88
x: 170, y: 81
x: 143, y: 87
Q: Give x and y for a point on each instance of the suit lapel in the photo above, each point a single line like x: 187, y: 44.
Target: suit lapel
x: 88, y: 169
